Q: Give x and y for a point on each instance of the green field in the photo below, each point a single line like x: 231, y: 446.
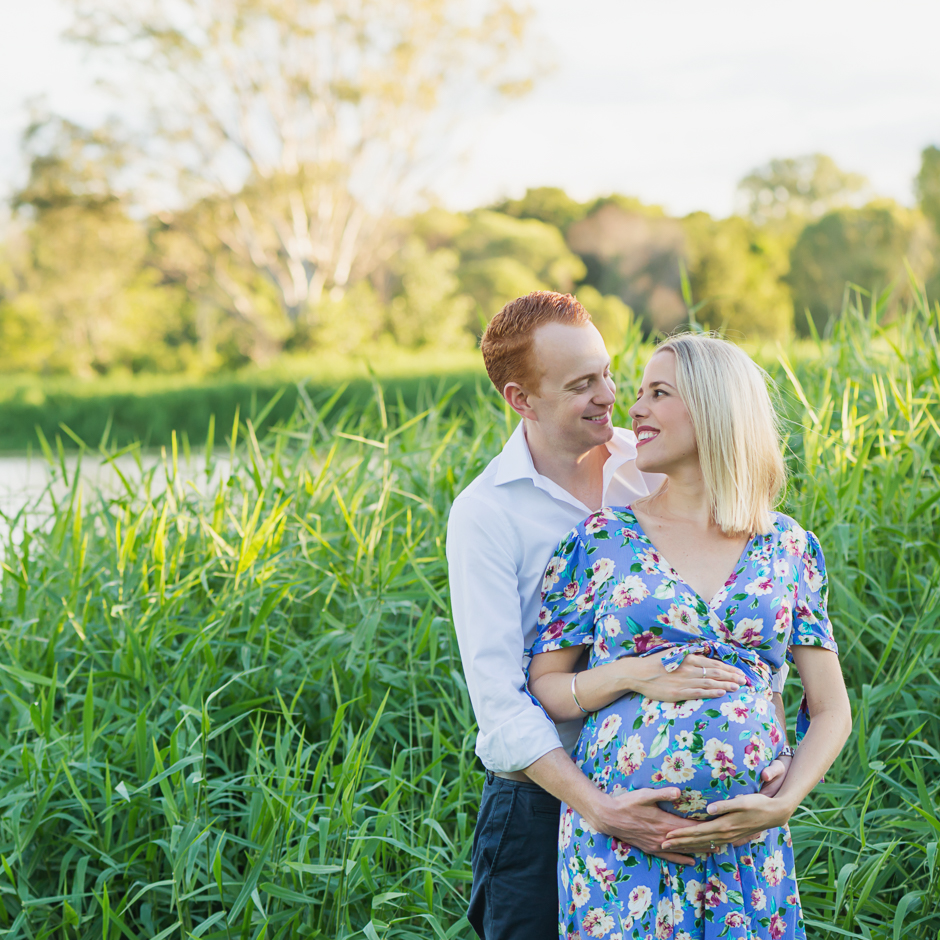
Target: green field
x: 242, y: 715
x: 123, y: 409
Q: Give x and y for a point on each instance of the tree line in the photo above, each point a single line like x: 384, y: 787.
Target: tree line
x: 261, y: 203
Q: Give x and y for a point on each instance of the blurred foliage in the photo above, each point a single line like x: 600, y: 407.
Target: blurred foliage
x: 89, y: 284
x: 849, y: 247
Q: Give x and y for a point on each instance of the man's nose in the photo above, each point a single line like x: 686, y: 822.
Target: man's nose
x: 607, y: 394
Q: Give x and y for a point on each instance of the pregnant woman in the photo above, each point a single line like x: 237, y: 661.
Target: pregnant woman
x: 703, y: 566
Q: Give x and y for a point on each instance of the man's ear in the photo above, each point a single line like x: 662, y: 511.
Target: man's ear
x: 518, y: 399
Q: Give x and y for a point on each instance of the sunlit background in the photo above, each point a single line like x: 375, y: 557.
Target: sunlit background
x: 195, y: 189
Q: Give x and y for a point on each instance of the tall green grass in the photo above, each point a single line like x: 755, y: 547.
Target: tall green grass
x: 241, y: 714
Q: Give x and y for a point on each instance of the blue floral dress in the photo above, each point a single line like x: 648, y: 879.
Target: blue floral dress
x: 608, y: 588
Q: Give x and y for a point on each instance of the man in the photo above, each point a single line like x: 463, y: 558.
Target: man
x: 564, y: 461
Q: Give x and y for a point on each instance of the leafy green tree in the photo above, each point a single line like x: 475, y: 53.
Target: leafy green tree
x: 547, y: 204
x: 865, y: 247
x: 797, y: 189
x: 83, y: 298
x: 735, y: 270
x: 430, y: 309
x: 502, y: 258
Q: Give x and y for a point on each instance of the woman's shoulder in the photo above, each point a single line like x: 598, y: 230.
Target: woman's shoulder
x: 793, y: 536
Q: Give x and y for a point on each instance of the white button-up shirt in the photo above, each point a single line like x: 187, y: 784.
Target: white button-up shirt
x: 501, y: 533
x: 502, y: 530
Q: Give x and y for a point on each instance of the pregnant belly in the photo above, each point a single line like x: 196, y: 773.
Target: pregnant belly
x: 711, y: 749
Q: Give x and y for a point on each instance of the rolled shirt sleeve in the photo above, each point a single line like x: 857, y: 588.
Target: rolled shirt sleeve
x: 513, y: 731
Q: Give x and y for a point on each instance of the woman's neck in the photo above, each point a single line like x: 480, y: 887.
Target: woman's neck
x: 683, y: 496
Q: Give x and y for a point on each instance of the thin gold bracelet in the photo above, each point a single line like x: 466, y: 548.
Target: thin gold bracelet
x: 574, y: 695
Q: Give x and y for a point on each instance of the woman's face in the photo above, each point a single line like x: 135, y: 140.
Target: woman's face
x: 661, y: 422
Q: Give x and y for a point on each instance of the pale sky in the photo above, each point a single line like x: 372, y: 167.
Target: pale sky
x: 672, y: 102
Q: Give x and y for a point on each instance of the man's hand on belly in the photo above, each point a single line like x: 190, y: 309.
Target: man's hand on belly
x: 634, y: 817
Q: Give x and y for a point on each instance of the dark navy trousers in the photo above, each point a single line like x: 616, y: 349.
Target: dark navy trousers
x: 515, y: 859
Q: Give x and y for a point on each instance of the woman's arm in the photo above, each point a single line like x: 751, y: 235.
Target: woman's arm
x: 828, y: 731
x: 550, y: 677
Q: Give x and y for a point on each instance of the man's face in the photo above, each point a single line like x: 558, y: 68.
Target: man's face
x: 576, y: 393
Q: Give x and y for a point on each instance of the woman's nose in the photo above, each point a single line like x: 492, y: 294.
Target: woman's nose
x: 637, y: 410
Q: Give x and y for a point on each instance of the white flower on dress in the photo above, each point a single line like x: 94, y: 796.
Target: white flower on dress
x: 631, y: 755
x: 601, y: 570
x: 794, y: 541
x: 552, y: 573
x: 545, y: 615
x: 665, y: 917
x: 695, y: 894
x: 758, y: 899
x: 748, y: 631
x: 650, y: 711
x: 585, y: 601
x: 682, y: 709
x: 621, y: 849
x: 601, y: 649
x: 596, y: 522
x: 781, y: 568
x: 565, y: 827
x: 716, y: 891
x: 580, y: 892
x: 720, y: 755
x: 684, y: 739
x: 763, y: 584
x: 650, y: 561
x: 811, y: 575
x: 735, y: 711
x: 612, y: 626
x: 690, y: 801
x: 629, y: 590
x: 681, y: 617
x: 639, y: 900
x: 679, y: 767
x: 600, y: 872
x: 608, y: 729
x: 773, y: 869
x: 597, y: 922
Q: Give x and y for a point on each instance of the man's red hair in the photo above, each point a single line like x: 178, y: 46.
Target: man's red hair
x: 507, y: 341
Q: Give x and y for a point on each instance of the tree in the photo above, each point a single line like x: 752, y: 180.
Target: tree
x: 865, y: 247
x: 307, y: 122
x: 797, y: 189
x: 735, y: 269
x: 82, y: 298
x: 547, y: 204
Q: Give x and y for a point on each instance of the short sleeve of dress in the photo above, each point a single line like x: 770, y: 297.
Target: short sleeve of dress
x: 567, y: 614
x: 811, y: 625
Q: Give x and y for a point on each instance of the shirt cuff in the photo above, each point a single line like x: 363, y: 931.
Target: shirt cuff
x: 519, y: 742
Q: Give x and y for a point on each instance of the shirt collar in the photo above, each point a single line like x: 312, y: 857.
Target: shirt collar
x: 515, y: 459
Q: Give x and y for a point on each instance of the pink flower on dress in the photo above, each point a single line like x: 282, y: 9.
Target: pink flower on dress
x: 645, y: 641
x: 554, y: 630
x: 571, y: 589
x: 716, y: 892
x: 758, y: 899
x: 734, y: 919
x: 778, y: 925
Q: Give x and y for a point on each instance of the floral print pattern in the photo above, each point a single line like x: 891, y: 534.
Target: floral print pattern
x: 608, y: 588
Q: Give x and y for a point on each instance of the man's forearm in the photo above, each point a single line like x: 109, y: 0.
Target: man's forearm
x: 557, y: 773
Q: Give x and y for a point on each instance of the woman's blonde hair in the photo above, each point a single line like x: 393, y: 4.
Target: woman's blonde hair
x: 736, y: 431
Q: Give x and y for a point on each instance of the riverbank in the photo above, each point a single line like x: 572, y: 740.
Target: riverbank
x: 119, y: 410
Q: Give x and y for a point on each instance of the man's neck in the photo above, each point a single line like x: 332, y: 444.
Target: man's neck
x: 580, y: 474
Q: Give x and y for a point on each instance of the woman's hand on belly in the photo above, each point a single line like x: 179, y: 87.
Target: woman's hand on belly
x: 736, y: 820
x: 697, y: 677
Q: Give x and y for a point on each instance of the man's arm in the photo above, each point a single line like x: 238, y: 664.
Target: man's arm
x: 484, y: 589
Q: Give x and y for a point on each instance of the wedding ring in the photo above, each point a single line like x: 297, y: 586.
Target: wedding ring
x: 712, y: 846
x: 704, y: 673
